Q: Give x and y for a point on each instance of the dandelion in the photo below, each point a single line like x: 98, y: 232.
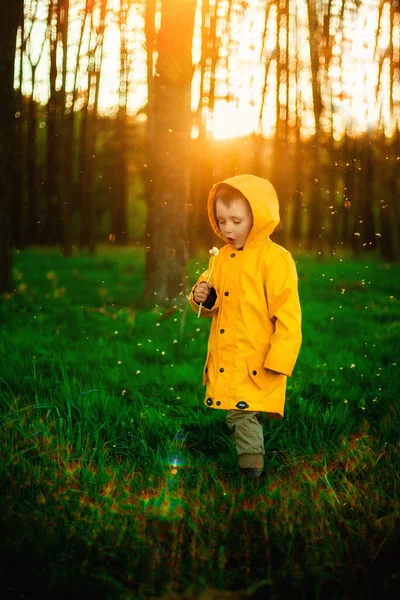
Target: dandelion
x: 352, y: 366
x: 214, y: 252
x: 138, y: 372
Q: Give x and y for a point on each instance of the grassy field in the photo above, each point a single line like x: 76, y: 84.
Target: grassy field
x: 117, y: 481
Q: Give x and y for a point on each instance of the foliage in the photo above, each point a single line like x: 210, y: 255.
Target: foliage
x: 117, y: 480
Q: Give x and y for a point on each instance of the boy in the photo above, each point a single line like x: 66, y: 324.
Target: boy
x: 252, y: 298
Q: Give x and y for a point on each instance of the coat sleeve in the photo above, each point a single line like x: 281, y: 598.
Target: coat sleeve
x: 210, y: 307
x: 284, y: 309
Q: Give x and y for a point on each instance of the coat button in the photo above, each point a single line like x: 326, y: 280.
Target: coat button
x: 254, y: 372
x: 226, y: 294
x: 222, y: 331
x: 242, y: 404
x: 209, y: 401
x: 218, y: 402
x: 233, y: 255
x: 222, y: 369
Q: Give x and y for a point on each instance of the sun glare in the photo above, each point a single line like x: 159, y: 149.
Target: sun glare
x: 240, y: 73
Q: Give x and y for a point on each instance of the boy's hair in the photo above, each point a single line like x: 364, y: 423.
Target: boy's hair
x: 227, y: 194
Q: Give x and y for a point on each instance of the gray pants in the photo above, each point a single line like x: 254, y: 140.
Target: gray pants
x: 248, y: 437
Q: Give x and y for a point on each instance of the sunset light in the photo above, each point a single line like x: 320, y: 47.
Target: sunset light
x: 350, y: 86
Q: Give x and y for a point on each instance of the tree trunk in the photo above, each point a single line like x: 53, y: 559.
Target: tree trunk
x: 32, y: 227
x: 315, y: 231
x: 19, y: 152
x: 298, y: 196
x: 280, y: 162
x: 11, y: 18
x: 9, y: 22
x: 64, y: 183
x: 87, y: 235
x: 368, y: 196
x: 51, y: 232
x: 348, y: 188
x: 167, y: 236
x: 119, y: 224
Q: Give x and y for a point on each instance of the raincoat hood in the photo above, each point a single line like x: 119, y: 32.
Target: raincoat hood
x: 263, y: 200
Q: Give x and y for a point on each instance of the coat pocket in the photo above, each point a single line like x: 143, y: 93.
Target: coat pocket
x: 256, y: 371
x: 207, y: 367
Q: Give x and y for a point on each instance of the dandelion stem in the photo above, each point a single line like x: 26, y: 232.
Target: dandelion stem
x: 209, y: 277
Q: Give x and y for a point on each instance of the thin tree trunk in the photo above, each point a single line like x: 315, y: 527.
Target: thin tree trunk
x: 298, y: 197
x: 280, y: 162
x: 348, y: 191
x: 33, y: 225
x: 52, y: 231
x: 89, y: 133
x: 368, y: 196
x: 66, y: 155
x: 32, y: 168
x: 18, y: 180
x: 119, y: 225
x: 9, y: 22
x: 315, y: 232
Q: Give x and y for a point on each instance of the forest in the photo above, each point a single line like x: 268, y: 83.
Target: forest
x: 82, y: 172
x: 117, y: 479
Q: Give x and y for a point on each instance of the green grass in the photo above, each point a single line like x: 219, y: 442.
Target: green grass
x: 117, y: 481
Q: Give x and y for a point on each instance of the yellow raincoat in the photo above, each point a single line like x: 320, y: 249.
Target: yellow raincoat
x: 256, y: 317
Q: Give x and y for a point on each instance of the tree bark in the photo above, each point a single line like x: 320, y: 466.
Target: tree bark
x: 87, y: 234
x: 167, y: 218
x: 315, y: 232
x: 10, y: 19
x: 280, y: 158
x: 19, y: 151
x: 119, y: 223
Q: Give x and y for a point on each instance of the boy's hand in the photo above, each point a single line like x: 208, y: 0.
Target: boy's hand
x: 202, y: 291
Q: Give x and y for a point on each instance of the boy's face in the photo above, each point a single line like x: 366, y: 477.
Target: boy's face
x: 235, y: 222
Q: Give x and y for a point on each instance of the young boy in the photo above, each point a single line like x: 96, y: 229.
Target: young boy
x: 252, y: 298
